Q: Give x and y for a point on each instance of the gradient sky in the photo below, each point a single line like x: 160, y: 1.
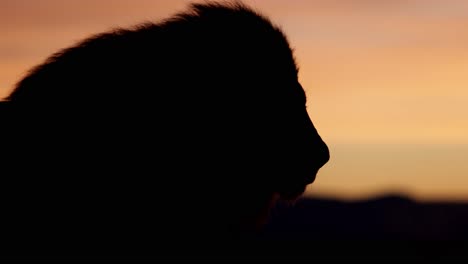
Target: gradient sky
x: 386, y: 80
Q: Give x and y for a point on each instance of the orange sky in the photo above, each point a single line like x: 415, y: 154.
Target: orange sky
x: 386, y: 80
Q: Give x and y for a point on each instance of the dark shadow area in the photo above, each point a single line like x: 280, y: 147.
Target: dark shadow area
x: 383, y: 228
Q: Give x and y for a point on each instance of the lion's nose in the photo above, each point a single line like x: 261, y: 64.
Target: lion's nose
x: 322, y: 155
x: 319, y: 154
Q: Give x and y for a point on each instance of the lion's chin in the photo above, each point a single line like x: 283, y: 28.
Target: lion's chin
x: 292, y: 193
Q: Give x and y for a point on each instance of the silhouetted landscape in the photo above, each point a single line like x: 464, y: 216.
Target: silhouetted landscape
x: 386, y: 226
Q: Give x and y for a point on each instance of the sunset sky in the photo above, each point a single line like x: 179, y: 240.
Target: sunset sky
x: 387, y: 81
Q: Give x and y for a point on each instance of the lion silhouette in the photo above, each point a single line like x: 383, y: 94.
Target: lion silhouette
x: 158, y: 134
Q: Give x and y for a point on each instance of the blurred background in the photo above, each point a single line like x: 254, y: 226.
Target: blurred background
x: 386, y: 81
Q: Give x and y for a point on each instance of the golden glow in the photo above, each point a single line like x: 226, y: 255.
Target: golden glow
x: 386, y: 80
x: 422, y: 171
